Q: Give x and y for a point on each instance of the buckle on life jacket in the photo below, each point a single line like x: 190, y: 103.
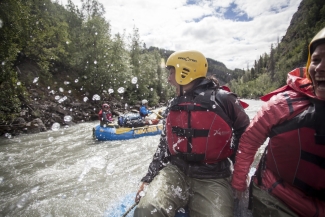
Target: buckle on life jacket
x: 189, y: 132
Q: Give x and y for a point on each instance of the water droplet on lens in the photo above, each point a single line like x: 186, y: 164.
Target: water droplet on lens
x: 121, y: 90
x: 67, y: 118
x: 55, y: 126
x: 134, y: 80
x: 35, y: 80
x: 96, y: 97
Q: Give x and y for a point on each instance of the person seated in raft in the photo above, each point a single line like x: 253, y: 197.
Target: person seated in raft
x: 191, y: 166
x: 105, y: 115
x: 144, y: 112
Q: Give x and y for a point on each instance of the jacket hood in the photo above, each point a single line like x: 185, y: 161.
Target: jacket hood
x: 296, y: 81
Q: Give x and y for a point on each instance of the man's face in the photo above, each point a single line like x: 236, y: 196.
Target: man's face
x: 317, y: 71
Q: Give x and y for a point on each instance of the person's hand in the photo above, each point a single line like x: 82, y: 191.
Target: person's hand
x: 140, y: 192
x: 238, y: 194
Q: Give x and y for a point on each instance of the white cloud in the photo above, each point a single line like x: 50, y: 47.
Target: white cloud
x: 170, y: 24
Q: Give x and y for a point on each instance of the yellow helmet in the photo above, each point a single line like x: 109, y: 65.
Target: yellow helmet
x: 311, y: 48
x: 189, y: 65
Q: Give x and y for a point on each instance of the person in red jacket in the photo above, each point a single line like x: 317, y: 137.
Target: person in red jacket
x: 290, y: 178
x: 191, y: 166
x: 105, y: 115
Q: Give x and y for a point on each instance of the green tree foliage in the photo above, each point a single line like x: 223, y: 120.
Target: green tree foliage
x: 13, y: 20
x: 75, y: 45
x: 290, y: 53
x: 271, y: 67
x: 220, y: 71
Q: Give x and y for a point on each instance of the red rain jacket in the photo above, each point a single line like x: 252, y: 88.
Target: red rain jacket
x: 286, y: 170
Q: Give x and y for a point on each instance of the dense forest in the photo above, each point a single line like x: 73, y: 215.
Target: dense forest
x: 70, y: 51
x: 270, y: 70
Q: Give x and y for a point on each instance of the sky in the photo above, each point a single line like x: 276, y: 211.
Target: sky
x: 234, y: 32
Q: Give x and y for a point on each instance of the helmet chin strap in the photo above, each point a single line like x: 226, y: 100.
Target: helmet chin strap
x: 180, y: 90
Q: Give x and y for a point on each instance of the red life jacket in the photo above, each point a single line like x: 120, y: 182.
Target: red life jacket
x: 197, y: 129
x: 305, y: 166
x: 100, y: 115
x: 303, y: 170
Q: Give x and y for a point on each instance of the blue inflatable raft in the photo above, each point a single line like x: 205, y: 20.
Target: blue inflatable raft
x: 110, y: 133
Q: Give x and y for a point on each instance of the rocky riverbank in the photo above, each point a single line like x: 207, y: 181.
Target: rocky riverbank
x: 58, y: 102
x: 41, y: 115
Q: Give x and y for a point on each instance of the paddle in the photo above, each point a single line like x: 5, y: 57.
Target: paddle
x: 122, y: 130
x: 120, y: 207
x: 129, y: 210
x: 157, y: 114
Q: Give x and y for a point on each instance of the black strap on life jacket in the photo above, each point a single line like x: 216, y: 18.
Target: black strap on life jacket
x: 188, y: 132
x: 250, y: 194
x: 312, y: 158
x: 274, y: 185
x: 261, y: 167
x: 310, y: 191
x: 201, y: 102
x: 189, y: 137
x: 187, y: 108
x: 319, y: 121
x: 190, y: 157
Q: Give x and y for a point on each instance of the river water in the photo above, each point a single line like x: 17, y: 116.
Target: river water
x: 68, y: 173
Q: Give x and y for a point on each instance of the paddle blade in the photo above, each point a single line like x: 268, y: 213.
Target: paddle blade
x: 121, y: 207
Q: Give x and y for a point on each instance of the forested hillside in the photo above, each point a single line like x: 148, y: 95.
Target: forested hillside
x: 69, y: 53
x: 270, y: 70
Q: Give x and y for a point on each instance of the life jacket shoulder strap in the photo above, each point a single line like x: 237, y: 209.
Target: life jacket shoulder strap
x: 201, y: 102
x: 190, y: 132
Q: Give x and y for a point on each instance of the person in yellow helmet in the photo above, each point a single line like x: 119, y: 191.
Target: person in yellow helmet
x: 191, y: 167
x: 290, y: 179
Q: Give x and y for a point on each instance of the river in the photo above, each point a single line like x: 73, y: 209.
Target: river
x: 67, y: 173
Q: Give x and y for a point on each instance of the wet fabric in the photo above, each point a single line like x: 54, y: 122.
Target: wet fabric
x: 266, y: 205
x: 292, y: 168
x: 238, y: 120
x: 172, y: 189
x: 206, y: 140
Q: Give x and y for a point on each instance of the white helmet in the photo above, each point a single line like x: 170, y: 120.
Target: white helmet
x: 144, y: 101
